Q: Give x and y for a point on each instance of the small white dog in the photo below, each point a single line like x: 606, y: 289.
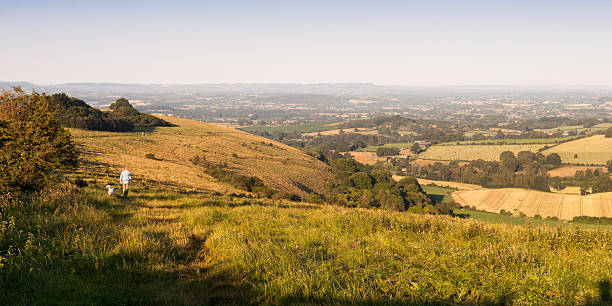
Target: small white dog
x: 111, y: 190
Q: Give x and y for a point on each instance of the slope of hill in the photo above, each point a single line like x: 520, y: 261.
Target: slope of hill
x: 164, y: 155
x: 531, y: 202
x: 591, y: 150
x: 167, y: 248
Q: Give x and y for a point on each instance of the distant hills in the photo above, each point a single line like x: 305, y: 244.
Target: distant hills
x: 289, y: 88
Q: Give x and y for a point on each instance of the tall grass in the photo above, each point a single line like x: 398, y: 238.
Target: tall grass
x: 157, y: 247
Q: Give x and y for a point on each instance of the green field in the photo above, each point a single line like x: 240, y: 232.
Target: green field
x: 387, y: 145
x: 577, y: 128
x: 304, y: 128
x: 485, y: 133
x: 440, y: 194
x: 164, y: 247
x: 510, y: 141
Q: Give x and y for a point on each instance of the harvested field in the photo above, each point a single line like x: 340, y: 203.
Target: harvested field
x: 570, y: 171
x: 367, y: 158
x: 532, y: 203
x: 473, y: 152
x: 591, y: 150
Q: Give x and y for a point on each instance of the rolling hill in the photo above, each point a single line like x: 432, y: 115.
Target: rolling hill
x: 164, y: 154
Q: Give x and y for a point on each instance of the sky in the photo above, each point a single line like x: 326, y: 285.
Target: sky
x: 412, y: 43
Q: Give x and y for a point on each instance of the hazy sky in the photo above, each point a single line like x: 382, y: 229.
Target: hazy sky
x: 384, y: 42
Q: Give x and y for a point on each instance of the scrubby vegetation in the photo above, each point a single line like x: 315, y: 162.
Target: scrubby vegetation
x: 33, y: 146
x: 357, y: 185
x: 251, y: 184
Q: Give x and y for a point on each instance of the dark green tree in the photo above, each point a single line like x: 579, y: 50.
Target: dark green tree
x: 34, y: 145
x: 608, y: 133
x: 509, y: 160
x: 553, y: 159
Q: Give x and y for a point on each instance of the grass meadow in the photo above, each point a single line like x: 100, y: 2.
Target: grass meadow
x: 158, y: 246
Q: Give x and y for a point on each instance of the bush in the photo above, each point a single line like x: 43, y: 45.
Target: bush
x: 608, y: 133
x: 152, y: 156
x: 33, y: 144
x: 387, y: 151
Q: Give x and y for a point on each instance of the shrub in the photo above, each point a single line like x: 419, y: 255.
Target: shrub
x: 33, y: 144
x: 152, y: 156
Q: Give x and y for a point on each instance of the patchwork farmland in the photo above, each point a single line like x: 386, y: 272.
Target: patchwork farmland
x: 532, y: 203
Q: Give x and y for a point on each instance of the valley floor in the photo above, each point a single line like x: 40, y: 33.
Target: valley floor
x: 167, y: 247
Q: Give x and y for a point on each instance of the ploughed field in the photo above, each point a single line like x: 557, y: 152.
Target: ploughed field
x: 532, y: 203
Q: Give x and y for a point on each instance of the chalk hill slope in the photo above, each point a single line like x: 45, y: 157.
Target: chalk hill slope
x: 280, y: 166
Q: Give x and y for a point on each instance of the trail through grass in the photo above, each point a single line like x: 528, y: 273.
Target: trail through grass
x: 159, y: 247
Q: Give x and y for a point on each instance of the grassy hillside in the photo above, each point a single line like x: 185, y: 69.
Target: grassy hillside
x: 591, y: 150
x: 160, y: 247
x: 170, y: 149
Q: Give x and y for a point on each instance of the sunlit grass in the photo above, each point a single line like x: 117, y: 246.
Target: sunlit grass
x: 166, y: 247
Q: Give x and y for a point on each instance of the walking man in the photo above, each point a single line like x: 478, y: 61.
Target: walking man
x: 125, y: 178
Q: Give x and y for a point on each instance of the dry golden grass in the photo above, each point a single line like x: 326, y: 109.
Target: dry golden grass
x: 531, y: 202
x: 362, y: 131
x: 367, y: 158
x: 473, y: 152
x: 570, y: 171
x: 591, y: 150
x: 280, y: 166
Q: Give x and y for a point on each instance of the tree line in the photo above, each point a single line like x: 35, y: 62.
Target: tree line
x: 358, y: 185
x: 123, y: 117
x: 525, y: 170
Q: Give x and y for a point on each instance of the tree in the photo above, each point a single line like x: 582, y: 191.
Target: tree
x: 387, y: 151
x: 509, y: 160
x: 34, y: 145
x: 608, y: 133
x: 416, y: 148
x: 361, y: 180
x: 553, y: 159
x: 602, y: 184
x: 557, y: 183
x: 525, y: 158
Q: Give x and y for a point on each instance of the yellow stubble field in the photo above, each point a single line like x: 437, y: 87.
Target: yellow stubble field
x: 531, y: 202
